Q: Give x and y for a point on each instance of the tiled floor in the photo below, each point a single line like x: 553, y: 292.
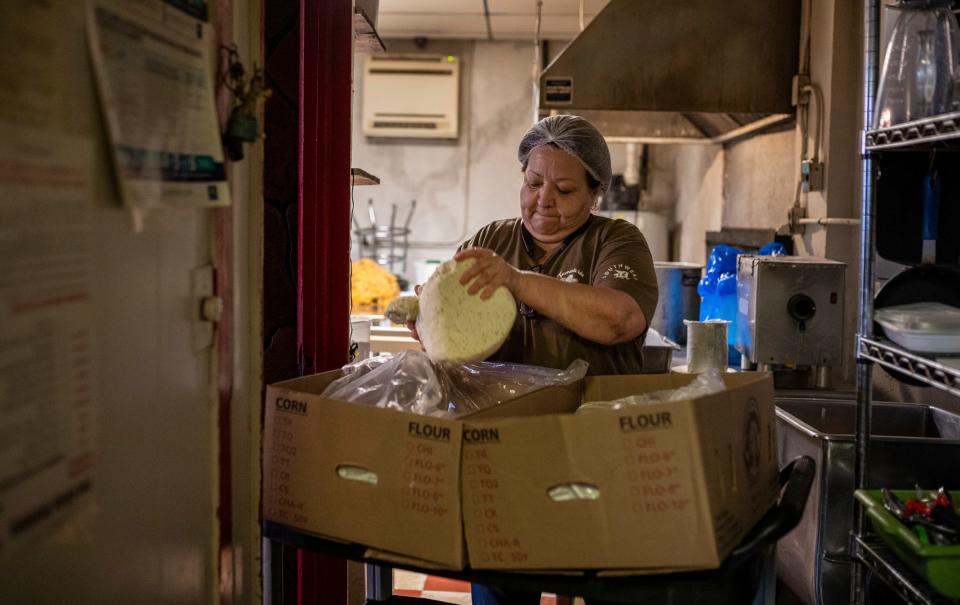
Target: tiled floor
x: 409, y: 584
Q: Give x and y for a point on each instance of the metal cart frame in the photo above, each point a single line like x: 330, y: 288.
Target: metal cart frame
x: 735, y: 582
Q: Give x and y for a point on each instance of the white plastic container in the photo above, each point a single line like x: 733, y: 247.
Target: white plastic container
x: 360, y: 334
x: 923, y: 327
x: 423, y: 270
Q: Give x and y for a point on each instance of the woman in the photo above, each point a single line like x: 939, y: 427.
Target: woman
x: 585, y: 284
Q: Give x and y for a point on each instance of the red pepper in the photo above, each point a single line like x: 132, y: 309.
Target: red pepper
x: 916, y: 507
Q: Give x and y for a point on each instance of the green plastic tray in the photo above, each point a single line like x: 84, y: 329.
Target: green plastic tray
x: 940, y: 565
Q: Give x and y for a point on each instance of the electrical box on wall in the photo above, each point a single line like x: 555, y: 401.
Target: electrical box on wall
x: 811, y: 175
x: 411, y: 96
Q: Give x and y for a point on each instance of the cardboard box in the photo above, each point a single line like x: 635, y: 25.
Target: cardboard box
x: 386, y: 479
x: 666, y: 486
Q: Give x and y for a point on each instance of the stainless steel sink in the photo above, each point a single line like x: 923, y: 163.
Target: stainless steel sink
x: 911, y: 444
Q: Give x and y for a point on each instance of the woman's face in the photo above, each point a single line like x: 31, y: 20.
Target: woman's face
x: 554, y: 198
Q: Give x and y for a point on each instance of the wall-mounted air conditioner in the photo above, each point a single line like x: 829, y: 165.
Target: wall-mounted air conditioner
x: 411, y: 96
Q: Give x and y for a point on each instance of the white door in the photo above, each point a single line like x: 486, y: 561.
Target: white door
x: 145, y: 532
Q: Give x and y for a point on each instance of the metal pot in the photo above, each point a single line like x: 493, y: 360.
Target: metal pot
x: 678, y: 298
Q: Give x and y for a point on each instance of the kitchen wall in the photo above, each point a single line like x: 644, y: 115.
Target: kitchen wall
x: 760, y: 180
x: 747, y: 184
x: 835, y: 62
x: 699, y: 194
x: 759, y: 174
x: 751, y: 183
x: 459, y: 185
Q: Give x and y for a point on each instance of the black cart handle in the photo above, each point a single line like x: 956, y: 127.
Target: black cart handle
x: 795, y: 481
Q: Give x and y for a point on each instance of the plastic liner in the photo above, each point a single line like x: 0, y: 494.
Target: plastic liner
x: 707, y: 383
x: 655, y: 339
x: 411, y: 382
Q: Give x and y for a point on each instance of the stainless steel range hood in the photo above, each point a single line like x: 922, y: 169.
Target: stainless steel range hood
x: 679, y: 70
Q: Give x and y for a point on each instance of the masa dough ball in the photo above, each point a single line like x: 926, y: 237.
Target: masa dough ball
x: 458, y: 327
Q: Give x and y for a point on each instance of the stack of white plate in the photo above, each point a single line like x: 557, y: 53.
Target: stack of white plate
x: 927, y: 327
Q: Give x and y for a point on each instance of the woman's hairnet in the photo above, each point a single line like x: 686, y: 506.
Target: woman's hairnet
x: 577, y: 137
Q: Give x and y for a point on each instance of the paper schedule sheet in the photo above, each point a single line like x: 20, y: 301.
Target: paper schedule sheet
x: 47, y: 374
x: 152, y: 64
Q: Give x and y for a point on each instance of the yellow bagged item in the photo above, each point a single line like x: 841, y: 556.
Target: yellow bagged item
x: 372, y: 287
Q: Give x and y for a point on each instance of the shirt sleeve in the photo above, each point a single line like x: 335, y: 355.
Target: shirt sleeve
x: 624, y: 263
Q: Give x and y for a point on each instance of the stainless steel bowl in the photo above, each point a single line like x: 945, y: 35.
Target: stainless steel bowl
x: 656, y: 360
x: 678, y: 298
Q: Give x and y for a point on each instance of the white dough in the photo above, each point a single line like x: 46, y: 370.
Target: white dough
x: 458, y: 327
x: 403, y: 309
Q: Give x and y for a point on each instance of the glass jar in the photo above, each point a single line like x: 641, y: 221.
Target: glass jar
x: 920, y: 67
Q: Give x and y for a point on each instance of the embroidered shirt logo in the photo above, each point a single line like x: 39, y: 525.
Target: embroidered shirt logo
x: 620, y: 271
x: 572, y: 276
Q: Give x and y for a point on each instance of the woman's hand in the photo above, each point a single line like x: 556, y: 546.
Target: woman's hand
x: 488, y: 272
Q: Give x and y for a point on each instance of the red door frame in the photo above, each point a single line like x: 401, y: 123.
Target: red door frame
x: 223, y: 259
x: 323, y: 246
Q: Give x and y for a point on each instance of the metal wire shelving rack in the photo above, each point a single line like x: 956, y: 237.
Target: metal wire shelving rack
x: 874, y: 559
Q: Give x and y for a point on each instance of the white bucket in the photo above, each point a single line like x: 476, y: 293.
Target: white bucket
x: 360, y: 334
x: 706, y: 345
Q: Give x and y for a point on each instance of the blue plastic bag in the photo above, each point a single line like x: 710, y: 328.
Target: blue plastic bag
x: 717, y: 280
x: 718, y: 291
x: 773, y: 249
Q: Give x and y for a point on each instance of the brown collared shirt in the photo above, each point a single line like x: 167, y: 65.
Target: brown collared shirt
x: 607, y: 252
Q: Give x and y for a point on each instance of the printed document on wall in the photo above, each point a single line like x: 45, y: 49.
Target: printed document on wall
x: 152, y: 64
x: 47, y: 374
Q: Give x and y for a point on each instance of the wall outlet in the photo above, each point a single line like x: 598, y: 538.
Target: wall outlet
x: 811, y: 175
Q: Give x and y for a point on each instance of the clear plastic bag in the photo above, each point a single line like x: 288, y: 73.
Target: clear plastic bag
x: 707, y: 383
x: 406, y: 381
x: 411, y: 382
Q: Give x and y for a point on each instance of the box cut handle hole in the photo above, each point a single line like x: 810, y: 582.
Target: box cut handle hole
x: 352, y: 472
x: 566, y: 492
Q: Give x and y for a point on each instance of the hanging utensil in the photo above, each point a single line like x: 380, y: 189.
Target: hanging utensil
x: 413, y: 206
